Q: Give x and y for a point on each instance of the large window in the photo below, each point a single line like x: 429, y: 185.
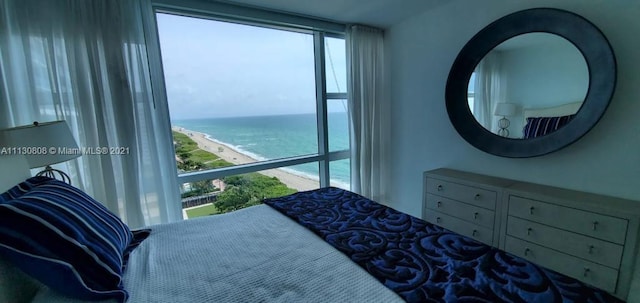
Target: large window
x: 256, y: 111
x: 471, y: 91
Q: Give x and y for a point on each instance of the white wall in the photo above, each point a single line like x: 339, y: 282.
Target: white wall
x: 543, y: 75
x: 420, y: 52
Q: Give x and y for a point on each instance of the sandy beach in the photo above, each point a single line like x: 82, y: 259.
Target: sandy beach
x: 231, y: 155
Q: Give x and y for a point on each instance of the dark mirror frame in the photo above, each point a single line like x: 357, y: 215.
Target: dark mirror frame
x: 583, y: 34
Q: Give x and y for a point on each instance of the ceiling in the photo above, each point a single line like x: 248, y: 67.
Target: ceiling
x: 379, y: 13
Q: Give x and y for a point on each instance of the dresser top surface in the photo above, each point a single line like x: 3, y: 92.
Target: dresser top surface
x: 574, y: 197
x: 451, y: 174
x: 568, y: 197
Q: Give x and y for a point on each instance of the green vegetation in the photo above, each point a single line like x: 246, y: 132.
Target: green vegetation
x: 202, y: 211
x: 248, y: 190
x: 184, y: 144
x: 200, y: 188
x: 241, y: 191
x: 192, y: 157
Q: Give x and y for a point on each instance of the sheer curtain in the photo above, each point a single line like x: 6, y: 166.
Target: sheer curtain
x: 369, y: 112
x: 489, y: 90
x: 86, y: 62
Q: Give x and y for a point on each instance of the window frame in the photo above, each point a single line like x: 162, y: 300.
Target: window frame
x: 471, y: 94
x: 223, y: 12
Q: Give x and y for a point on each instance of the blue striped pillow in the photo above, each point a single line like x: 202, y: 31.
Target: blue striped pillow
x: 540, y: 126
x: 64, y: 238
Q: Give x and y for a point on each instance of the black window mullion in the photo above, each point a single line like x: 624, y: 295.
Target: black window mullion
x: 321, y: 103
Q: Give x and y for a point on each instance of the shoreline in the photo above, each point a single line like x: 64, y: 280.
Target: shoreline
x: 230, y: 154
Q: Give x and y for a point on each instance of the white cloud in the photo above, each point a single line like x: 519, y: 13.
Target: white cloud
x: 218, y: 69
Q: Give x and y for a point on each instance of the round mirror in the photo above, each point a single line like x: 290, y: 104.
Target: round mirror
x: 531, y: 83
x: 525, y: 79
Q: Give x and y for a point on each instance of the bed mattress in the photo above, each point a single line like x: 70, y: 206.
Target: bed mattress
x: 251, y: 255
x: 330, y: 245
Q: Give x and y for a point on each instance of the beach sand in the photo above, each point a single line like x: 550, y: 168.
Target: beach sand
x: 231, y: 155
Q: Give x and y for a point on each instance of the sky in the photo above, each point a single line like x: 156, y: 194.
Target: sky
x: 220, y: 69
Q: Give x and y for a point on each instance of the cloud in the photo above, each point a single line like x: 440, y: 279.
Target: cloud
x: 219, y: 69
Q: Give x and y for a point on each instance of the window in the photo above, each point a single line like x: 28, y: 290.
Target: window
x: 471, y: 91
x: 256, y: 111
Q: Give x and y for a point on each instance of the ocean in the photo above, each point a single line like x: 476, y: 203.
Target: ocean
x: 277, y: 137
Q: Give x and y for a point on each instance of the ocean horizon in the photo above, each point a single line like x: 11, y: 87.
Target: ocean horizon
x: 277, y: 137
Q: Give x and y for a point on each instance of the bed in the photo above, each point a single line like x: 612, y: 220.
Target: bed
x: 325, y: 245
x: 541, y: 121
x: 252, y: 255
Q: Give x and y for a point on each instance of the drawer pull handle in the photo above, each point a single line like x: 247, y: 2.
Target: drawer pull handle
x: 529, y: 230
x: 595, y: 224
x: 586, y: 271
x: 438, y: 220
x: 475, y: 216
x: 591, y: 247
x: 531, y: 210
x: 474, y: 233
x: 477, y: 197
x: 439, y: 204
x: 526, y: 251
x: 440, y: 188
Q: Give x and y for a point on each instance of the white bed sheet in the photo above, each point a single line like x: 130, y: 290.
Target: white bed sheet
x: 251, y: 255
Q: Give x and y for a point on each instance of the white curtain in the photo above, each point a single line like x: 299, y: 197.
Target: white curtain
x: 489, y: 90
x: 369, y: 112
x: 86, y: 62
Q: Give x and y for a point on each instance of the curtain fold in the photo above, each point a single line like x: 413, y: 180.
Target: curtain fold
x: 86, y: 62
x: 368, y: 112
x: 489, y: 90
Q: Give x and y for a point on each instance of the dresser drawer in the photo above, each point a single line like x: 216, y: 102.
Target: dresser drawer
x: 462, y: 227
x: 587, y: 223
x: 467, y: 212
x: 592, y: 249
x: 588, y: 272
x: 468, y: 194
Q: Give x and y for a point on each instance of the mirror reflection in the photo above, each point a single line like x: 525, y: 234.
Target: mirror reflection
x: 528, y: 86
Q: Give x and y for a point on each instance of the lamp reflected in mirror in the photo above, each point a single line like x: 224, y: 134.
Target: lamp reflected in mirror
x: 538, y: 70
x: 554, y: 64
x: 505, y: 110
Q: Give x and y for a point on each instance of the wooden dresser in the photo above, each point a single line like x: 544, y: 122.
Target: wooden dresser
x: 589, y: 237
x: 464, y: 203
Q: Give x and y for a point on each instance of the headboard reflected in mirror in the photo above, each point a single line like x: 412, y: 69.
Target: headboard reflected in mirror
x: 554, y: 111
x: 476, y: 123
x: 540, y: 122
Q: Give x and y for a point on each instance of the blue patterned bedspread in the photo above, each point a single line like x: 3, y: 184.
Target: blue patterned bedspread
x: 423, y: 262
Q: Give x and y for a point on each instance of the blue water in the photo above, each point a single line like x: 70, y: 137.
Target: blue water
x: 276, y: 137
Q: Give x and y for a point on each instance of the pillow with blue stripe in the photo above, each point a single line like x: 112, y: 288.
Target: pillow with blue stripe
x: 65, y: 239
x: 540, y: 126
